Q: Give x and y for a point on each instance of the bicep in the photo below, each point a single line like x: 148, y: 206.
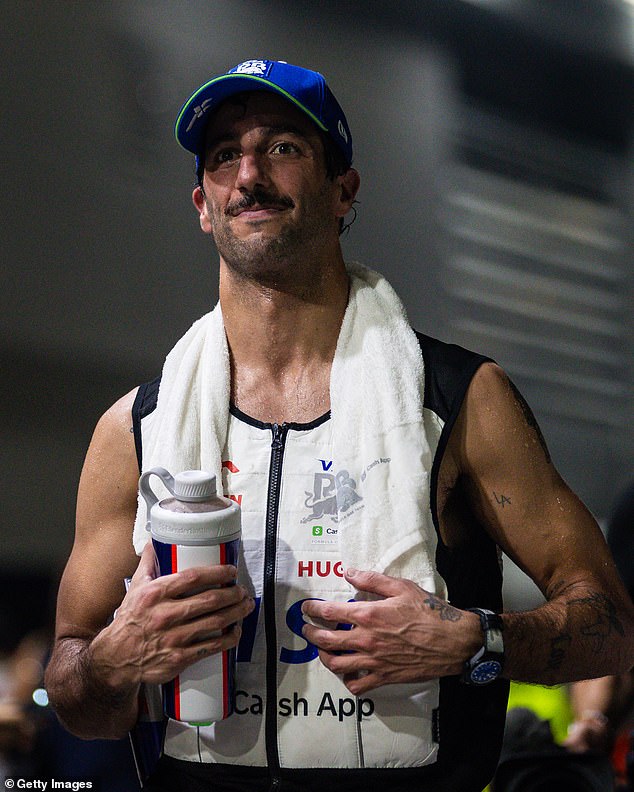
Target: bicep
x: 518, y: 494
x: 102, y: 554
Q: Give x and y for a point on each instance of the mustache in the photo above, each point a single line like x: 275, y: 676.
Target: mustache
x: 263, y: 198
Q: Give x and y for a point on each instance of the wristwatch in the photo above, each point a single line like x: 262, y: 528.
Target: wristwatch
x: 486, y: 664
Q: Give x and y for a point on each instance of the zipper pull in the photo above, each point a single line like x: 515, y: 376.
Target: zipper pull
x: 278, y: 432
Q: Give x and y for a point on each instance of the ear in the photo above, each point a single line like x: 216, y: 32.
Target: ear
x: 348, y: 184
x: 198, y: 198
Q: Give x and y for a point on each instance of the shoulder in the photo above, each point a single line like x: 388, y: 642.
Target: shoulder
x: 107, y: 493
x: 497, y: 428
x: 489, y: 389
x: 493, y: 401
x: 111, y: 456
x: 115, y: 424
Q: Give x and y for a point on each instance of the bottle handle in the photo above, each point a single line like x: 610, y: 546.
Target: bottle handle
x: 147, y: 491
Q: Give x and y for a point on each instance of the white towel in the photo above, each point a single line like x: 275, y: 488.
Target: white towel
x: 379, y: 441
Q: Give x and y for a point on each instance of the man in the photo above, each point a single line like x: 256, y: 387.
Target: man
x: 378, y: 473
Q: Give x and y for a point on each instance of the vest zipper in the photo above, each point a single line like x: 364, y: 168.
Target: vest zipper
x: 270, y: 547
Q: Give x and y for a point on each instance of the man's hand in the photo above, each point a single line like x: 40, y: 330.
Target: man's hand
x: 408, y: 636
x: 591, y: 733
x: 167, y: 623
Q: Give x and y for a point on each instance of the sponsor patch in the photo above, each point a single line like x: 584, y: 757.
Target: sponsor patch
x: 260, y: 68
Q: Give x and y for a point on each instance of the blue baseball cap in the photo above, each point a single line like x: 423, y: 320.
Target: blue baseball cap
x: 306, y: 89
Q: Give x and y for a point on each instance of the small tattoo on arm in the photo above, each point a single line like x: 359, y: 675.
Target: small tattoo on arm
x: 530, y: 420
x: 501, y: 500
x: 446, y: 611
x: 558, y: 646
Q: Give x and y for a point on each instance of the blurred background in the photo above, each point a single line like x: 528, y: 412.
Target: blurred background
x: 495, y: 140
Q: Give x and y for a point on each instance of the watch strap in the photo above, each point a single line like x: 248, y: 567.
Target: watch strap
x: 492, y: 627
x: 486, y: 664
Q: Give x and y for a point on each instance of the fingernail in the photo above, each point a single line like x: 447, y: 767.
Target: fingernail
x: 351, y: 572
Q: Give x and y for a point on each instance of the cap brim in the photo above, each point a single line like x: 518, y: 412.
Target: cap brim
x: 192, y: 120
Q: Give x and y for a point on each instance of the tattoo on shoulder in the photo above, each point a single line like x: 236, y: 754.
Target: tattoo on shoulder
x: 501, y: 500
x: 601, y: 620
x: 446, y: 611
x: 530, y: 419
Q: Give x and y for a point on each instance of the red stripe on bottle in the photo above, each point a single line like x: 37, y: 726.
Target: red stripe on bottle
x: 174, y: 558
x: 177, y: 698
x: 177, y: 691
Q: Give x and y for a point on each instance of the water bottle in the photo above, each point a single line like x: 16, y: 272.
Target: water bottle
x: 195, y: 527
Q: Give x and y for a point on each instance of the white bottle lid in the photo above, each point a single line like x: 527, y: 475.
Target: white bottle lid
x: 194, y: 485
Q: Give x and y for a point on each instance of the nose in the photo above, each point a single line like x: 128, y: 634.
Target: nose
x: 252, y: 171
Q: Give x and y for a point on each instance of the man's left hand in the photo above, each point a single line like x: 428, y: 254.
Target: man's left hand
x: 409, y: 635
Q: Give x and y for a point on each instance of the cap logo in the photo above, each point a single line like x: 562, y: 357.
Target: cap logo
x: 199, y: 112
x: 342, y: 130
x: 258, y: 67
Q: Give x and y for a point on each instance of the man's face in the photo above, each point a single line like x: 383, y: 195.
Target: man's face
x: 267, y: 200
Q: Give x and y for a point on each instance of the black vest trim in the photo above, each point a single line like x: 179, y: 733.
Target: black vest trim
x: 144, y: 403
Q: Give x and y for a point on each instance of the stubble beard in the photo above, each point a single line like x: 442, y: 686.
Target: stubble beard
x: 286, y: 257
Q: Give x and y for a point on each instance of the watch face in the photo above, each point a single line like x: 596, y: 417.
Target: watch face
x: 486, y: 672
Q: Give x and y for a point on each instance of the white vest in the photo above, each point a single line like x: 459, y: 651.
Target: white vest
x: 317, y: 721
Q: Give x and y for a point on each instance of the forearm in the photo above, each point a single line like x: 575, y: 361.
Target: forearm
x: 578, y: 634
x: 594, y: 695
x: 89, y: 705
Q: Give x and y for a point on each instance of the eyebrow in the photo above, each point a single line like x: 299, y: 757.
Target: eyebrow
x: 269, y: 131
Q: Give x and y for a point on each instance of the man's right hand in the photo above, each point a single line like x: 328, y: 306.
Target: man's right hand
x: 590, y: 733
x: 165, y: 624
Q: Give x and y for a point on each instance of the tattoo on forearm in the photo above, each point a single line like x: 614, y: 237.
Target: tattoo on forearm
x: 558, y: 647
x: 530, y: 420
x: 446, y: 611
x: 601, y: 620
x: 501, y: 500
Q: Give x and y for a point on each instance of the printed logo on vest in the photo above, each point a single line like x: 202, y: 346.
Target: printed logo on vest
x: 332, y: 496
x: 319, y: 569
x: 322, y: 536
x: 230, y: 466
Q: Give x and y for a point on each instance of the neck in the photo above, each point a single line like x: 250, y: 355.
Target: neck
x: 282, y: 339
